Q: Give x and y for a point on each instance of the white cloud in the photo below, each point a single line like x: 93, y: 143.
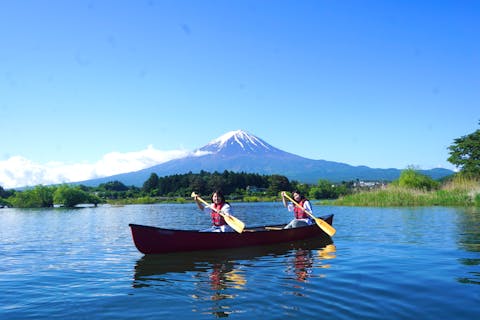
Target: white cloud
x: 18, y: 171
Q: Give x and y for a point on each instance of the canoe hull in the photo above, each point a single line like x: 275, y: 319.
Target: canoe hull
x: 153, y: 240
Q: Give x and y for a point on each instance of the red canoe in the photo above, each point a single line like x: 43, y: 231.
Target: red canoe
x: 153, y: 240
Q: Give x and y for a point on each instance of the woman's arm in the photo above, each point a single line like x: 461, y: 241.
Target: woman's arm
x: 284, y: 200
x: 199, y: 204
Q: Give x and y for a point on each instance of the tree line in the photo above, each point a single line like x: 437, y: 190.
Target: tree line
x: 236, y: 186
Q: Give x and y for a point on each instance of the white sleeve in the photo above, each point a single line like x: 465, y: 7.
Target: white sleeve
x: 290, y: 207
x: 308, y: 206
x: 226, y: 208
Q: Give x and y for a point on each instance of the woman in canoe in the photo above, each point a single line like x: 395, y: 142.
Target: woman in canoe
x: 301, y: 218
x: 218, y: 204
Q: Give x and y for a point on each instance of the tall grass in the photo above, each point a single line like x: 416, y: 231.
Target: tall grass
x: 456, y: 192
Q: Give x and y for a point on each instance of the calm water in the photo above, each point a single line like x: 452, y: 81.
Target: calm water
x: 400, y: 263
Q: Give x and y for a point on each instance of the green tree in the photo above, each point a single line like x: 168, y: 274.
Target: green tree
x: 324, y: 190
x: 198, y: 184
x: 25, y: 199
x: 303, y: 188
x: 216, y: 182
x: 278, y: 183
x: 70, y: 196
x: 38, y: 197
x: 151, y: 183
x: 45, y: 194
x: 113, y: 186
x: 465, y: 154
x: 94, y: 199
x: 410, y: 178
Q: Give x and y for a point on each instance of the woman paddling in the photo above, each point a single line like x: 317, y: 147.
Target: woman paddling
x: 301, y: 218
x: 218, y: 204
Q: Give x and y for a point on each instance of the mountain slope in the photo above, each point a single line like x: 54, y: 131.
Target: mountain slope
x: 240, y: 151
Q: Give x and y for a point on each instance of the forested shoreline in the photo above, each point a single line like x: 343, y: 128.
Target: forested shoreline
x: 411, y: 189
x: 236, y: 186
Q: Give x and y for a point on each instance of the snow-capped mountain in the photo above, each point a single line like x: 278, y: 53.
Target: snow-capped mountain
x: 239, y: 141
x: 240, y: 151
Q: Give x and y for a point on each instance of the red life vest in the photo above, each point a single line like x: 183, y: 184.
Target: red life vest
x: 299, y: 213
x: 217, y: 219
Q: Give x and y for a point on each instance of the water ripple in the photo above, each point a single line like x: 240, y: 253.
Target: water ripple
x: 398, y: 263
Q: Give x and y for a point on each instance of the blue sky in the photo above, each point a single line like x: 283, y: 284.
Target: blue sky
x: 95, y: 88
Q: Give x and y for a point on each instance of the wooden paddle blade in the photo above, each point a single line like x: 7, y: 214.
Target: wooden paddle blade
x: 325, y: 226
x: 233, y: 222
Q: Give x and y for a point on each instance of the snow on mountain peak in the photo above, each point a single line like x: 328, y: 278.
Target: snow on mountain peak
x: 240, y: 136
x: 239, y: 140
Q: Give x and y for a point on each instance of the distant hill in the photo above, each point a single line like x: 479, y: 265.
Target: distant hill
x: 240, y: 151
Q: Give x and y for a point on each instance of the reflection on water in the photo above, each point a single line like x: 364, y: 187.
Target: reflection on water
x: 221, y: 277
x: 224, y: 275
x: 303, y: 261
x: 216, y: 279
x: 469, y: 240
x: 302, y: 264
x: 387, y: 263
x: 469, y: 227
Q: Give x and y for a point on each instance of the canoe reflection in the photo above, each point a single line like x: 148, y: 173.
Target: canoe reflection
x: 221, y: 263
x: 219, y: 277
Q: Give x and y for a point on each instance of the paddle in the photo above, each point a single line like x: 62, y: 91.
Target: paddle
x: 233, y: 222
x: 327, y: 228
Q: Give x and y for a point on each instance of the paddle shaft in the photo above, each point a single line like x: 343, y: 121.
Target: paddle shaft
x: 325, y: 226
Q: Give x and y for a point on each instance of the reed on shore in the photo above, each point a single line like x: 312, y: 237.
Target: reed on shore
x: 459, y: 191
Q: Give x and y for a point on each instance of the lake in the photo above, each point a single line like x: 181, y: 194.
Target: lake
x: 384, y: 263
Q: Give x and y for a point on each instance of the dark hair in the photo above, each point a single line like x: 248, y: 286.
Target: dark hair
x: 301, y: 195
x: 219, y: 195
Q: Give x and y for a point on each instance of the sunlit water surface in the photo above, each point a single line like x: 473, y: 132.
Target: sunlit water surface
x: 384, y: 263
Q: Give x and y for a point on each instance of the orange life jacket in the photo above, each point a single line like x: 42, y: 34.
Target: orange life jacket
x: 217, y: 219
x: 299, y: 212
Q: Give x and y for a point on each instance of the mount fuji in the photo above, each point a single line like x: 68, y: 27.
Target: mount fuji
x: 240, y: 151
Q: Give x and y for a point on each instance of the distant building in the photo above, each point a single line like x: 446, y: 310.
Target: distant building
x: 368, y: 184
x: 255, y: 189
